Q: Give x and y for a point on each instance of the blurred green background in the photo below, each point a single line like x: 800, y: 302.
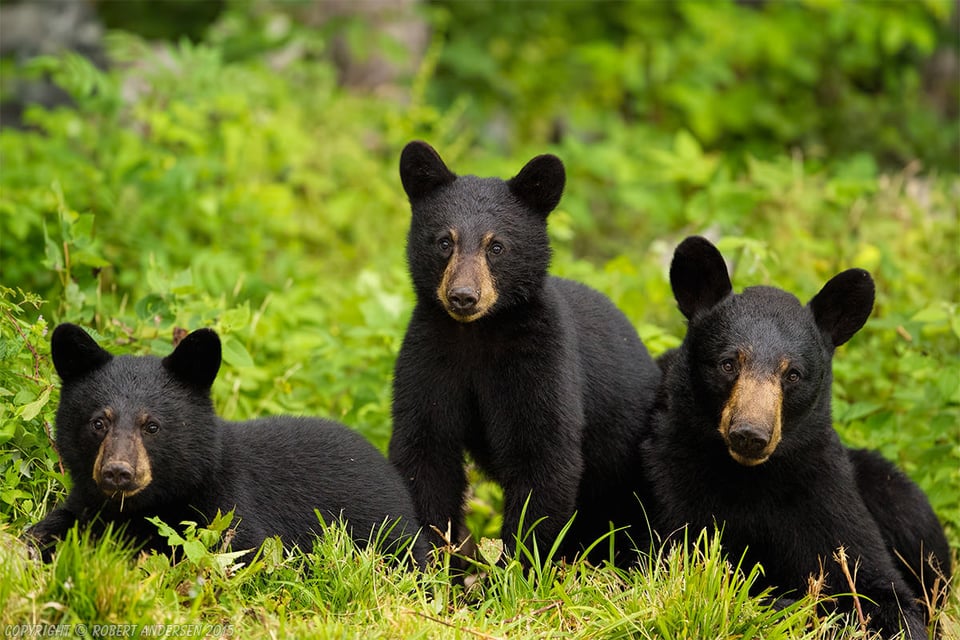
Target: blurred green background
x: 234, y: 164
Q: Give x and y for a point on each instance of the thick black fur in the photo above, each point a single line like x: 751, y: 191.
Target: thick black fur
x: 909, y: 526
x: 274, y: 472
x: 812, y: 495
x: 548, y: 391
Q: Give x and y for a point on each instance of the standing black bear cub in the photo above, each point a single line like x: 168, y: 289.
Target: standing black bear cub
x: 140, y: 438
x: 743, y: 438
x: 542, y: 380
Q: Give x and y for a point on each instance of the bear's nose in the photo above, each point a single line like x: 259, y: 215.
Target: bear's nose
x: 463, y: 299
x: 749, y: 440
x: 117, y: 475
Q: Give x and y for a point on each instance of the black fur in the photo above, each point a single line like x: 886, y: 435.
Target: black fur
x: 909, y: 526
x: 548, y: 391
x: 274, y: 472
x: 792, y: 511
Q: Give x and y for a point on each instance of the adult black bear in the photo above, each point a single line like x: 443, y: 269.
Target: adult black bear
x: 542, y: 380
x: 742, y: 437
x: 140, y: 438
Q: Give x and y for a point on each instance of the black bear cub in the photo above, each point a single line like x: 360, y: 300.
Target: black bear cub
x: 742, y: 438
x: 542, y: 380
x: 139, y: 437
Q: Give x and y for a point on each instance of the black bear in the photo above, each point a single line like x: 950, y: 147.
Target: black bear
x: 742, y: 438
x: 139, y: 437
x: 542, y: 380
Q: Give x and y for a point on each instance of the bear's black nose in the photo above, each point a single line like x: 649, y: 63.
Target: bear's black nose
x: 463, y: 299
x: 749, y: 440
x: 117, y: 475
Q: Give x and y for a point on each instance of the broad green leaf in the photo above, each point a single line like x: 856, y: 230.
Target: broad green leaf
x: 234, y: 353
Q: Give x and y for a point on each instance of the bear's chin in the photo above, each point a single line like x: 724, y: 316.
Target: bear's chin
x: 748, y: 461
x: 122, y: 500
x: 465, y: 319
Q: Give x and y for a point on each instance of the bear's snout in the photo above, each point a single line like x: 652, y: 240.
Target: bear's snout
x: 749, y: 440
x: 467, y: 288
x: 463, y: 299
x: 117, y: 476
x: 751, y: 422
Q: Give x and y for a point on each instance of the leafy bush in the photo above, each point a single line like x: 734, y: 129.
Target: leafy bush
x: 832, y: 78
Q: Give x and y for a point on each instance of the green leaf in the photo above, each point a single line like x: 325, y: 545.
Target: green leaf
x: 29, y: 411
x: 89, y: 259
x: 150, y: 306
x: 166, y: 531
x: 235, y: 354
x: 7, y: 430
x: 194, y: 550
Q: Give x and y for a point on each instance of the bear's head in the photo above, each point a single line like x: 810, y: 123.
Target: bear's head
x: 759, y: 362
x: 478, y: 245
x: 137, y: 430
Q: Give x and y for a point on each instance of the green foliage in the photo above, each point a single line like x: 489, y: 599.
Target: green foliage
x: 336, y: 589
x: 834, y: 78
x: 218, y: 183
x: 27, y: 463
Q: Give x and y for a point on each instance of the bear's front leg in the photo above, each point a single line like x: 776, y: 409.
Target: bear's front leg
x: 537, y: 458
x: 534, y: 425
x: 886, y: 599
x: 427, y: 448
x: 437, y: 481
x: 44, y: 535
x: 540, y: 495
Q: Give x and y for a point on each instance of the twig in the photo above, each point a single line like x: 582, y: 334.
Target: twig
x: 841, y: 558
x: 932, y: 592
x: 36, y: 356
x: 53, y: 443
x: 479, y: 634
x: 556, y: 604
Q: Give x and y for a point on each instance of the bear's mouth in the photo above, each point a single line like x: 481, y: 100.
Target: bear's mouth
x: 119, y: 495
x: 459, y: 317
x: 748, y: 460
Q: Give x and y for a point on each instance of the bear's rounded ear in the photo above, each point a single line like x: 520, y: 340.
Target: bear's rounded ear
x: 75, y: 353
x: 843, y: 305
x: 422, y: 170
x: 196, y: 360
x: 539, y: 185
x: 698, y: 276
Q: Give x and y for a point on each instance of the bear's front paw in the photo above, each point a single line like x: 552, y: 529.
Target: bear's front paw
x: 39, y: 542
x: 42, y: 538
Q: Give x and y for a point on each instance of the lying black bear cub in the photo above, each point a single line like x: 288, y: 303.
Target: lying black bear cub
x: 542, y: 380
x: 743, y: 438
x: 139, y: 437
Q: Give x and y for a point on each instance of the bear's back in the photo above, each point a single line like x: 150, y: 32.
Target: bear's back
x: 279, y: 470
x: 620, y: 378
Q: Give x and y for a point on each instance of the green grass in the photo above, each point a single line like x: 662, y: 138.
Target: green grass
x: 339, y: 590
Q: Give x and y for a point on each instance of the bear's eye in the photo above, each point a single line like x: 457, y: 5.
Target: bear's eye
x: 495, y: 248
x: 728, y: 366
x: 444, y: 244
x: 794, y: 376
x: 151, y: 427
x: 98, y: 424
